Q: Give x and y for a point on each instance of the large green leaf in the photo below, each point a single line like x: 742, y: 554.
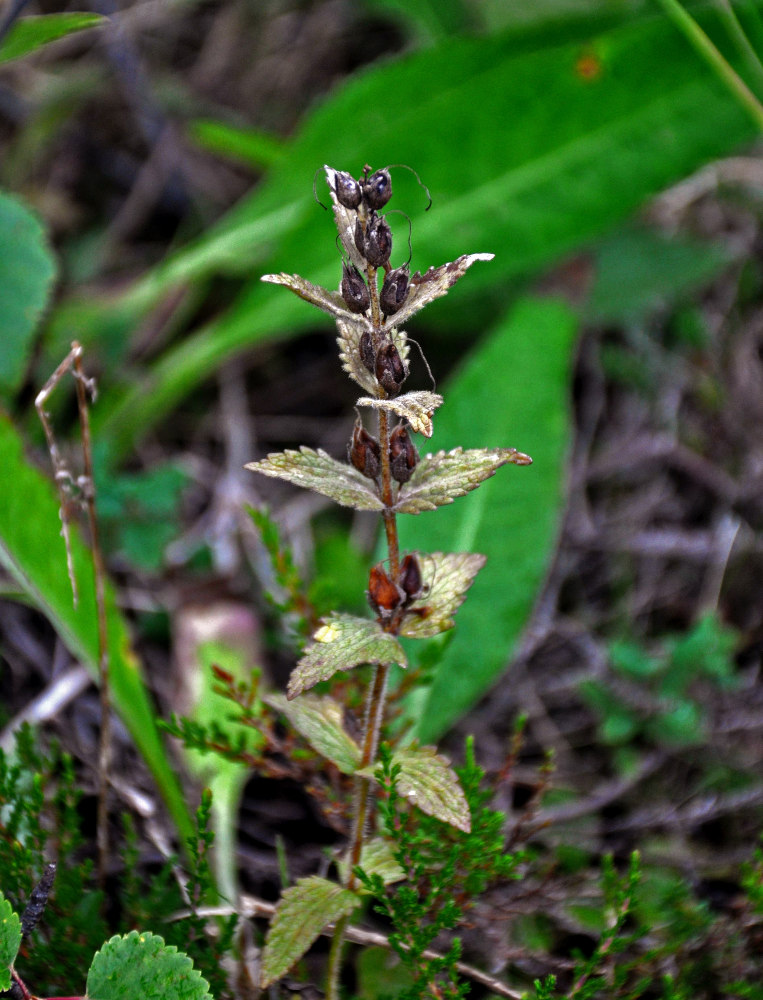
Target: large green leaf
x: 526, y: 154
x: 30, y: 33
x: 10, y: 939
x: 32, y: 551
x: 27, y: 269
x: 511, y: 391
x: 140, y: 966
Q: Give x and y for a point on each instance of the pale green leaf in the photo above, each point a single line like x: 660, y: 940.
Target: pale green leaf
x: 30, y: 33
x: 250, y: 146
x: 315, y: 470
x: 513, y: 386
x: 446, y: 576
x: 377, y: 857
x: 438, y: 479
x: 320, y: 721
x: 32, y: 551
x: 10, y: 940
x: 428, y: 781
x: 140, y: 966
x: 342, y: 643
x: 302, y: 913
x: 27, y: 269
x: 415, y: 407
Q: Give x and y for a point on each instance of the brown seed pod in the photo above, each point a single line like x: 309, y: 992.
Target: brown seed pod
x: 354, y: 289
x: 348, y: 191
x: 389, y: 368
x: 394, y: 290
x: 384, y: 595
x: 378, y: 241
x: 410, y: 578
x: 364, y: 452
x: 403, y: 456
x: 377, y: 189
x: 366, y: 348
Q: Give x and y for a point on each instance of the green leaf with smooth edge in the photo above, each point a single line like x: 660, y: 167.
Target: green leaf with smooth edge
x: 319, y: 720
x: 342, y: 643
x: 140, y: 966
x: 32, y: 551
x: 27, y: 270
x: 512, y: 388
x: 533, y: 190
x: 250, y: 146
x: 302, y: 913
x: 30, y: 33
x: 10, y: 940
x: 428, y: 781
x: 315, y: 470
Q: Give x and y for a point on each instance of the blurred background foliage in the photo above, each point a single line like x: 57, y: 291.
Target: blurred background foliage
x: 159, y: 157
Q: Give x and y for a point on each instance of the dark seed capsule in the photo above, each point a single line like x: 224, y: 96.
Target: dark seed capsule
x: 366, y: 347
x: 377, y: 190
x: 364, y: 452
x: 38, y: 900
x: 354, y: 289
x: 410, y: 578
x: 348, y: 191
x: 383, y: 594
x: 389, y: 368
x: 403, y: 456
x: 360, y: 238
x: 394, y: 290
x: 378, y: 241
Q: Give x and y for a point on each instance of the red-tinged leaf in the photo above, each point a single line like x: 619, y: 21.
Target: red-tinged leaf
x: 301, y: 915
x: 438, y: 479
x: 315, y: 470
x: 342, y: 643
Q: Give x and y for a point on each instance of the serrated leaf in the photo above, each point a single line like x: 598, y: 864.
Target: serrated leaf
x: 377, y: 858
x: 446, y: 576
x: 140, y: 966
x: 320, y: 721
x: 10, y: 940
x: 27, y: 269
x: 302, y: 913
x: 436, y: 282
x: 350, y: 332
x: 315, y: 470
x: 415, y: 407
x: 30, y: 33
x: 438, y: 479
x: 428, y: 781
x: 330, y: 302
x: 342, y: 643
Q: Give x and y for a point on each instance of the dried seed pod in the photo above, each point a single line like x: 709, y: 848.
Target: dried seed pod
x: 394, y: 290
x: 389, y: 368
x: 403, y: 456
x: 38, y: 900
x: 348, y: 191
x: 366, y: 348
x: 377, y: 189
x: 410, y: 578
x: 364, y: 452
x: 378, y: 241
x: 383, y: 594
x: 354, y: 289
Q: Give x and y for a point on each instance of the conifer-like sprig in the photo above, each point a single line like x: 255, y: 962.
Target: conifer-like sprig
x: 414, y: 594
